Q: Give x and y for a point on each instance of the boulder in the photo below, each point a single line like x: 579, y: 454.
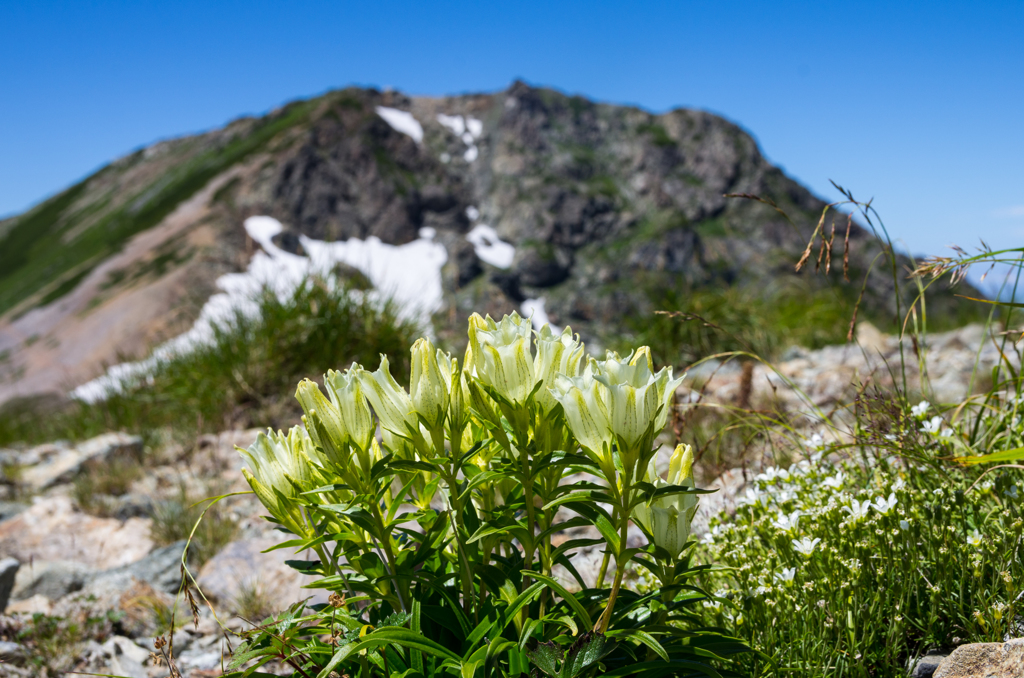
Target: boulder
x: 51, y: 579
x: 8, y: 572
x: 161, y: 569
x: 984, y: 660
x: 53, y: 463
x: 243, y: 566
x: 53, y: 530
x: 927, y: 665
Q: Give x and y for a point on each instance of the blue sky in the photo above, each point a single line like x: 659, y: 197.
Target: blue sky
x: 918, y: 105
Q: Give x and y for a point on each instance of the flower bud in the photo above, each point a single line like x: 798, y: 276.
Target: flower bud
x: 430, y: 382
x: 667, y: 518
x: 501, y: 352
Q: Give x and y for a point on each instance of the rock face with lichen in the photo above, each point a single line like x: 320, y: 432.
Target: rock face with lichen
x: 612, y: 211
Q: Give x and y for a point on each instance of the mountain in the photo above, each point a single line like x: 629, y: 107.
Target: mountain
x: 598, y: 214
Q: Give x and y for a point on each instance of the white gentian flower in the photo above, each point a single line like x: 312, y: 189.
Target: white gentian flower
x: 884, y: 506
x: 501, y: 353
x: 932, y: 426
x: 802, y: 467
x: 899, y: 484
x: 904, y: 525
x: 392, y: 404
x: 946, y: 433
x: 346, y: 393
x: 975, y: 539
x: 858, y: 510
x: 786, y: 575
x: 280, y: 468
x: 787, y: 523
x: 616, y: 398
x: 667, y: 518
x: 556, y: 354
x: 919, y: 409
x: 805, y: 546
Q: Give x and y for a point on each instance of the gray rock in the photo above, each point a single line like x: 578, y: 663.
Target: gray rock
x: 984, y: 660
x: 161, y: 569
x: 48, y: 465
x: 53, y: 579
x: 9, y: 509
x: 125, y: 658
x: 8, y: 572
x: 927, y: 665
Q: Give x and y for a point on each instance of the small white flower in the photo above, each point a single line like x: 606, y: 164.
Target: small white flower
x: 749, y: 497
x: 802, y: 467
x: 858, y: 510
x: 787, y: 523
x: 836, y: 481
x: 771, y: 474
x: 890, y: 437
x: 975, y: 539
x: 932, y: 425
x: 899, y: 484
x: 904, y: 525
x: 806, y: 545
x: 883, y: 506
x: 946, y: 433
x: 815, y: 443
x: 786, y: 575
x: 919, y: 409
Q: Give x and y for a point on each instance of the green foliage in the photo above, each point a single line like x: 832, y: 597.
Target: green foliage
x: 95, y: 490
x: 901, y: 551
x: 703, y: 321
x: 240, y: 378
x: 174, y: 518
x: 659, y: 135
x: 442, y: 544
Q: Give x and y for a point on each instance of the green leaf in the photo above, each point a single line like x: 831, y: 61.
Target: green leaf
x: 468, y: 667
x: 584, y: 653
x: 546, y: 657
x: 644, y: 637
x: 1016, y: 454
x: 389, y: 636
x: 568, y: 597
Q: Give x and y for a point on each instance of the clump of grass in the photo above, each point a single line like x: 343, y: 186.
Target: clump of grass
x: 693, y: 323
x: 95, y: 490
x: 244, y: 378
x: 174, y: 518
x: 252, y: 602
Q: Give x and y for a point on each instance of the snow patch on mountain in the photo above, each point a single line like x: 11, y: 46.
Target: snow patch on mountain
x: 410, y: 274
x: 402, y: 121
